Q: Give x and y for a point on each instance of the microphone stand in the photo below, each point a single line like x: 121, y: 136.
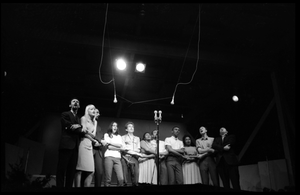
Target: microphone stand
x: 157, y: 120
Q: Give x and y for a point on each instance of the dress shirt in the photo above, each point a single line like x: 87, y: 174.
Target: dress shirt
x: 204, y: 143
x: 175, y: 143
x: 131, y: 143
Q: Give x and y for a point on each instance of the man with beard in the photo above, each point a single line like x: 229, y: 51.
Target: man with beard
x: 71, y: 131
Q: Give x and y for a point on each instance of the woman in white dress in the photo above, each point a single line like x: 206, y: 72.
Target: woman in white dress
x: 190, y: 167
x: 85, y: 166
x: 147, y: 166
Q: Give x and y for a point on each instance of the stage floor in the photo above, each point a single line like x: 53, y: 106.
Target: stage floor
x: 141, y: 188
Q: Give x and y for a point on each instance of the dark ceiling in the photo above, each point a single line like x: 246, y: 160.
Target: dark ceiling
x: 52, y: 52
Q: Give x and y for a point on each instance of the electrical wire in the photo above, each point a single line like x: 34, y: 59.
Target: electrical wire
x: 178, y: 83
x: 103, y: 39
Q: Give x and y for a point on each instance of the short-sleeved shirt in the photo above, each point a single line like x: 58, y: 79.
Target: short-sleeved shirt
x: 175, y: 143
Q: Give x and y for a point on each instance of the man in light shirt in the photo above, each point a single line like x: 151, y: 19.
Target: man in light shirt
x: 176, y: 149
x: 130, y: 162
x: 207, y: 163
x: 163, y: 152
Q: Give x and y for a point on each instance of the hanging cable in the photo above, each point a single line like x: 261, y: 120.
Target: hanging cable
x: 145, y: 101
x: 102, y: 50
x: 103, y: 38
x: 112, y: 71
x: 172, y: 102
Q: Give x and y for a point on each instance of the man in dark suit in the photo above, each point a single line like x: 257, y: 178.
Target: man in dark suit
x: 227, y: 160
x: 71, y: 131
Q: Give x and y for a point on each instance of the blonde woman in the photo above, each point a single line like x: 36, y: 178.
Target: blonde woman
x: 85, y: 164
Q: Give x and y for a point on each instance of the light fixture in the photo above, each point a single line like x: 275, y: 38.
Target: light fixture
x: 172, y: 102
x: 140, y: 67
x: 115, y: 99
x: 235, y: 98
x: 121, y: 64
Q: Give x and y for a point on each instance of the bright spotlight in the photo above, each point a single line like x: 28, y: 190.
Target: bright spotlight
x: 235, y: 98
x: 121, y: 64
x: 140, y: 67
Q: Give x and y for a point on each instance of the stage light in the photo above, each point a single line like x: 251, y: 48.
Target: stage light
x: 235, y: 98
x: 121, y: 64
x: 140, y: 67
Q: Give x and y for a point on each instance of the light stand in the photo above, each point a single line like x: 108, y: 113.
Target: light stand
x: 157, y: 120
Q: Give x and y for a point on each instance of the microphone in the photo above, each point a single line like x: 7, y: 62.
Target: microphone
x: 172, y: 102
x: 157, y: 119
x: 155, y: 115
x: 159, y: 115
x: 115, y: 99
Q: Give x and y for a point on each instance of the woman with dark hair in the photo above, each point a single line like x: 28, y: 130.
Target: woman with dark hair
x: 112, y: 155
x: 147, y: 166
x: 190, y: 168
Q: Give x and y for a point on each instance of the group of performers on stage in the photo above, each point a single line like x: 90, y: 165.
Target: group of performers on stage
x: 84, y: 155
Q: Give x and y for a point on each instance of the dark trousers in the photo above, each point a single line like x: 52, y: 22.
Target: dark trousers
x: 66, y: 167
x: 163, y: 172
x: 99, y: 168
x: 175, y: 174
x: 208, y: 167
x: 229, y: 173
x: 132, y: 169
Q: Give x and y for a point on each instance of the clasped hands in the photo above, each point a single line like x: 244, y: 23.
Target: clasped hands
x: 227, y: 147
x: 102, y: 142
x: 75, y: 126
